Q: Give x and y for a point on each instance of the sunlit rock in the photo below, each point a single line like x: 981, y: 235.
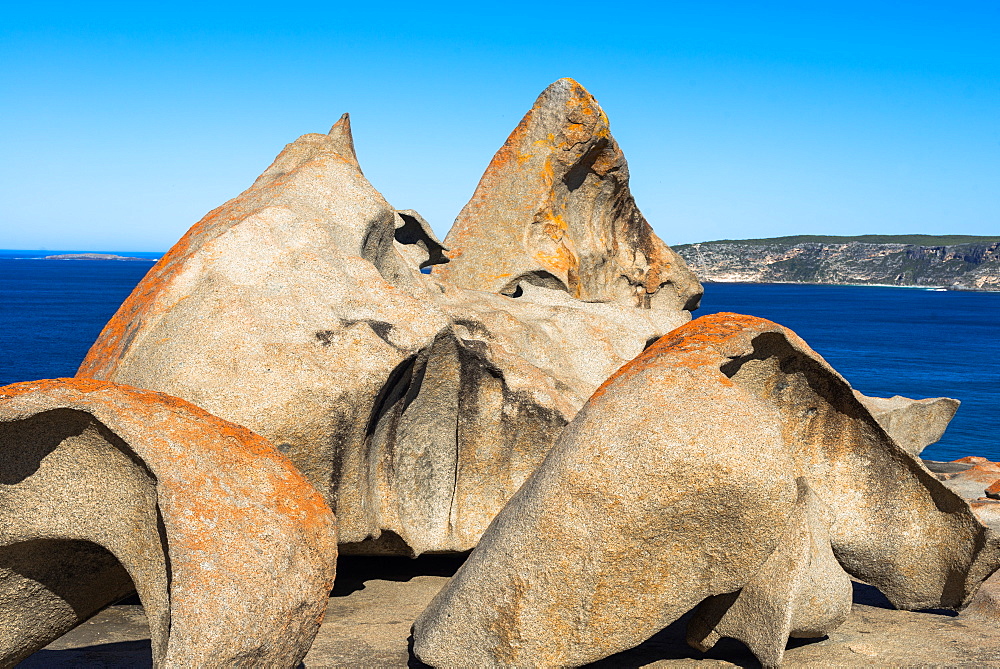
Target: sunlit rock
x: 106, y: 488
x: 554, y: 209
x: 683, y: 478
x: 914, y: 424
x: 416, y: 406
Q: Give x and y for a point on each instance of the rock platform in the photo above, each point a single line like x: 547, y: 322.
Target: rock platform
x: 376, y: 600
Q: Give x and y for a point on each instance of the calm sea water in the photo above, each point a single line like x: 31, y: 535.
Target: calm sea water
x: 885, y: 341
x: 51, y: 311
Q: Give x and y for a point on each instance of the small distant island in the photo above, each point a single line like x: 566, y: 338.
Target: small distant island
x: 953, y: 262
x: 97, y: 256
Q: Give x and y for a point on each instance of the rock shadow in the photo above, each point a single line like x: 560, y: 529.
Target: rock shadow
x: 869, y: 595
x: 354, y: 570
x: 137, y: 654
x: 670, y: 644
x: 414, y: 662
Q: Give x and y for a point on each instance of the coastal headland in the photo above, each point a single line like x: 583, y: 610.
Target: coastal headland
x: 96, y: 256
x: 954, y: 262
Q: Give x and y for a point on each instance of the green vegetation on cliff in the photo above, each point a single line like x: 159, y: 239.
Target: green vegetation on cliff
x: 959, y: 262
x: 914, y: 240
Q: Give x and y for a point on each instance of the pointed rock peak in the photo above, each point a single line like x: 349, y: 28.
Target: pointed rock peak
x: 342, y: 126
x: 343, y: 140
x: 565, y: 88
x: 566, y: 102
x: 554, y: 209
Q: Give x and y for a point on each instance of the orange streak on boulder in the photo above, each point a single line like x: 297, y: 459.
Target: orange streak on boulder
x: 679, y: 480
x: 554, y: 209
x: 231, y: 550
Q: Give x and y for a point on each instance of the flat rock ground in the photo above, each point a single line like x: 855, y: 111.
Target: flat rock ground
x: 376, y: 600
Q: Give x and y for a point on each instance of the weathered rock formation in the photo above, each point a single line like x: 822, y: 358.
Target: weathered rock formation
x: 106, y: 489
x: 977, y: 480
x: 687, y: 476
x: 913, y: 424
x: 960, y: 262
x: 800, y: 591
x: 417, y: 407
x: 554, y: 209
x: 985, y: 605
x: 727, y: 470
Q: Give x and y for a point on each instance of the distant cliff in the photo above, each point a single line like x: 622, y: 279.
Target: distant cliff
x: 97, y: 256
x: 958, y: 262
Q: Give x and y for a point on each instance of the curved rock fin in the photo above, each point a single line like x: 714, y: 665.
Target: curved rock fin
x: 913, y: 424
x: 103, y: 490
x: 80, y: 562
x: 343, y: 139
x: 800, y: 591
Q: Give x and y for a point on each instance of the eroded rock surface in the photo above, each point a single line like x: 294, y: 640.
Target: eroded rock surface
x: 914, y: 424
x: 554, y: 209
x: 106, y: 488
x: 417, y: 407
x: 677, y: 482
x: 799, y: 591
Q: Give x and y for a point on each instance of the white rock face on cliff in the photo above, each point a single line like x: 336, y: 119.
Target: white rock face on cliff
x: 959, y: 262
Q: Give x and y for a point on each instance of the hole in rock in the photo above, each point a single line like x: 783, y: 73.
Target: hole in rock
x: 693, y: 302
x: 577, y: 174
x: 413, y: 233
x: 670, y: 644
x: 539, y: 278
x: 80, y: 575
x: 65, y: 572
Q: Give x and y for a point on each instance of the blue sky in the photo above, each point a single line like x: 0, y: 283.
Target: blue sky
x: 124, y: 123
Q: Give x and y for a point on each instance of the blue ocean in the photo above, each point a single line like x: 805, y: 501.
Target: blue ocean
x: 895, y: 341
x: 885, y: 341
x: 51, y: 311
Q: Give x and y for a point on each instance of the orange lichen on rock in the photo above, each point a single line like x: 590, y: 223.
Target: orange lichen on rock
x: 117, y: 334
x: 299, y: 310
x: 232, y: 509
x: 151, y: 298
x: 569, y: 170
x: 981, y: 477
x: 733, y: 470
x: 708, y: 333
x: 983, y: 472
